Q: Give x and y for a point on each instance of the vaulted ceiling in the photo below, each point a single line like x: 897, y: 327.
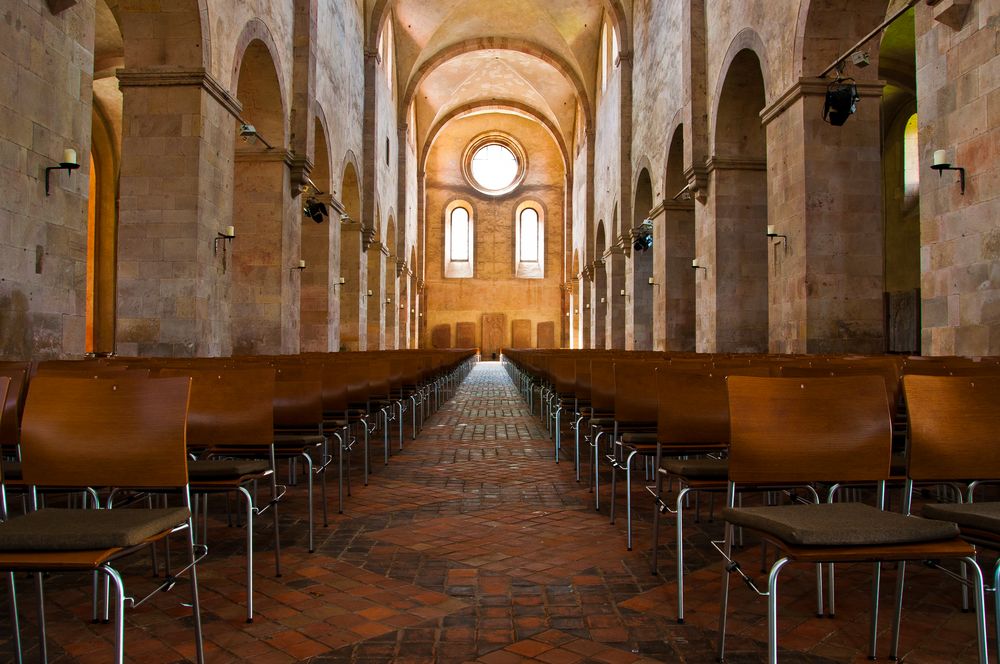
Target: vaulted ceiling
x: 536, y: 57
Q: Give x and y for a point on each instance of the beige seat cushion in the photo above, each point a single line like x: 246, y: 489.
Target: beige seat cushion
x: 84, y: 530
x: 979, y: 516
x: 839, y: 524
x: 207, y: 470
x: 298, y: 439
x: 698, y: 469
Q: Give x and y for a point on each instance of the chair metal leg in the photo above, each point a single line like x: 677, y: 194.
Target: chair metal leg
x: 558, y: 432
x: 116, y: 581
x: 597, y: 470
x: 772, y: 610
x: 15, y: 623
x: 309, y: 495
x: 831, y: 605
x: 724, y: 601
x: 249, y: 517
x: 628, y: 500
x: 274, y: 508
x: 876, y: 583
x: 680, y: 554
x: 576, y: 446
x: 340, y: 473
x: 43, y: 648
x: 199, y: 641
x: 325, y: 460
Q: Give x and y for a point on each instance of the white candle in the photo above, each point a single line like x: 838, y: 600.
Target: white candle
x: 940, y: 157
x: 694, y: 262
x: 302, y: 263
x: 230, y: 231
x: 770, y: 230
x: 69, y: 156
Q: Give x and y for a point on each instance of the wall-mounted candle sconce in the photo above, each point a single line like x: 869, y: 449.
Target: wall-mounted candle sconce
x: 370, y: 293
x: 225, y: 237
x: 388, y: 300
x: 622, y: 292
x: 413, y: 311
x: 773, y: 233
x: 941, y: 163
x: 698, y: 266
x: 69, y: 163
x: 587, y: 306
x: 651, y: 282
x: 602, y: 300
x: 300, y: 266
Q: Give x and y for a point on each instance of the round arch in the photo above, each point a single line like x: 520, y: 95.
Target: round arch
x: 256, y: 30
x: 746, y: 40
x: 500, y: 106
x: 499, y: 44
x: 188, y: 43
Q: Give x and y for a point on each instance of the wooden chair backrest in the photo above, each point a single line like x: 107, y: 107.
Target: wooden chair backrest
x: 954, y: 427
x: 129, y: 433
x: 808, y: 429
x: 298, y: 404
x: 355, y: 374
x: 582, y: 382
x: 635, y: 392
x: 602, y: 385
x: 563, y: 372
x: 693, y: 408
x: 229, y: 406
x: 13, y: 405
x: 335, y: 386
x: 379, y: 377
x: 890, y: 378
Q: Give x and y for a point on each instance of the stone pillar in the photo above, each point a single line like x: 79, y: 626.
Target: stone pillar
x: 584, y: 297
x: 376, y: 255
x: 675, y: 280
x: 175, y: 184
x: 354, y: 270
x: 616, y: 285
x: 599, y: 306
x: 825, y: 195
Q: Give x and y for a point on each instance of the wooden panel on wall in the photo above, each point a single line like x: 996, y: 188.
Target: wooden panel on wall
x: 546, y: 335
x: 465, y: 335
x: 441, y: 336
x: 520, y: 333
x: 493, y: 335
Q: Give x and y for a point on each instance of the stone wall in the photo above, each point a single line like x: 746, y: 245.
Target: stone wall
x: 46, y: 67
x: 494, y: 288
x: 958, y: 105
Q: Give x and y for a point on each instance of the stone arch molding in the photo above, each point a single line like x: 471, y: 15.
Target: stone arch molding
x: 256, y: 30
x: 746, y: 40
x: 524, y: 46
x: 142, y: 52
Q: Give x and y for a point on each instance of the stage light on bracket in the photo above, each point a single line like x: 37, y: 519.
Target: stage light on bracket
x: 315, y: 210
x: 841, y: 101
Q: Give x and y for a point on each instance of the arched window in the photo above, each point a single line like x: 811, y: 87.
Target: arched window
x: 459, y: 240
x: 529, y: 241
x: 604, y: 57
x: 911, y: 162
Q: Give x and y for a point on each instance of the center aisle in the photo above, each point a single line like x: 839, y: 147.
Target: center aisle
x: 501, y: 540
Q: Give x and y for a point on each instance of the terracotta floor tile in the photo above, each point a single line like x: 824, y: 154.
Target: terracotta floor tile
x: 473, y: 544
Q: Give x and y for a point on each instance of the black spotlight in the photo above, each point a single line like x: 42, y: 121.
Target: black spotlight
x: 841, y: 101
x: 644, y: 237
x: 315, y: 210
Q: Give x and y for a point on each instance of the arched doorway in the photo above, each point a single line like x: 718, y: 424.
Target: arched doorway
x: 391, y: 298
x: 739, y: 207
x: 642, y: 269
x: 901, y: 185
x: 260, y: 191
x: 600, y: 296
x: 314, y: 293
x: 350, y: 291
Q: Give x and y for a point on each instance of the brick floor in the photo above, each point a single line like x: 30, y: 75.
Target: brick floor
x: 473, y: 545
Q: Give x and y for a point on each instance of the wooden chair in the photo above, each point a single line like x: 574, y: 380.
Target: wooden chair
x: 805, y: 430
x: 107, y: 433
x: 954, y: 428
x: 231, y: 418
x: 692, y: 421
x: 635, y: 413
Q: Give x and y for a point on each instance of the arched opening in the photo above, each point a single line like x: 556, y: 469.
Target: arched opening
x: 392, y: 291
x: 901, y: 185
x: 642, y: 268
x: 676, y: 245
x: 600, y: 297
x: 314, y: 293
x: 260, y: 188
x: 350, y: 261
x: 375, y: 305
x: 739, y: 196
x: 617, y: 293
x: 104, y: 166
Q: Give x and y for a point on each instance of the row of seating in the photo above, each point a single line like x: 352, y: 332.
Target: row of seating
x: 733, y: 424
x: 130, y: 432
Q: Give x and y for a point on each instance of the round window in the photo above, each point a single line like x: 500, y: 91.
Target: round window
x: 494, y: 164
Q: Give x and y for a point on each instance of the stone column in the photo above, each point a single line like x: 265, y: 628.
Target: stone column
x: 353, y: 325
x: 599, y: 306
x: 675, y: 280
x: 585, y: 324
x: 616, y: 285
x: 175, y: 184
x: 825, y: 195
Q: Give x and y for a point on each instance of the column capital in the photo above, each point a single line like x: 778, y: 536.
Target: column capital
x: 193, y: 77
